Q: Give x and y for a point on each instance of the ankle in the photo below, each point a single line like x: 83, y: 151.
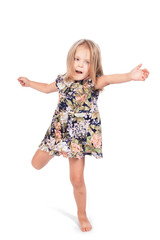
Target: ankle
x: 81, y: 213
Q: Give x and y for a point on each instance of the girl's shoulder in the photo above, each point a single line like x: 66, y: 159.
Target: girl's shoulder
x: 61, y: 82
x: 90, y: 80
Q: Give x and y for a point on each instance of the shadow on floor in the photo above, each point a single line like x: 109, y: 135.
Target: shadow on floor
x: 72, y: 217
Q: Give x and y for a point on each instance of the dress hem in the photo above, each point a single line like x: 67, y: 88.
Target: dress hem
x: 64, y: 154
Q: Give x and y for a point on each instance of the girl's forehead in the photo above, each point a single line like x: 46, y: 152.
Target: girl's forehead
x: 82, y: 51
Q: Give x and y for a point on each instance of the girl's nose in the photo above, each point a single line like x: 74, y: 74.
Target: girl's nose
x: 80, y: 64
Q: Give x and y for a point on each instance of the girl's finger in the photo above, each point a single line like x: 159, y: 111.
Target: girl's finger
x: 139, y: 66
x: 145, y: 70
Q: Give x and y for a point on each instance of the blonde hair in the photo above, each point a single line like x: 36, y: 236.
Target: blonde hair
x: 95, y: 64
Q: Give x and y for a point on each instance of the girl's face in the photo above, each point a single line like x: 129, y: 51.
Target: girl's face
x: 81, y: 66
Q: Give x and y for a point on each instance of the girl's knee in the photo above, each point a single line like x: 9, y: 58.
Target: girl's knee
x: 40, y: 159
x: 35, y: 164
x: 77, y: 182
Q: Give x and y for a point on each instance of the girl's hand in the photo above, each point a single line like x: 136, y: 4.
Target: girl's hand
x: 23, y: 81
x: 138, y: 74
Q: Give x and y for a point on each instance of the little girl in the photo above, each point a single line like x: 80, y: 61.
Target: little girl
x: 75, y: 130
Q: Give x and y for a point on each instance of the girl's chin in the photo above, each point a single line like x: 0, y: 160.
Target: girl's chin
x: 80, y: 77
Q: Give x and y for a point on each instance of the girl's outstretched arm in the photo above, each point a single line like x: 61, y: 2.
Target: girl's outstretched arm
x: 136, y: 74
x: 42, y: 87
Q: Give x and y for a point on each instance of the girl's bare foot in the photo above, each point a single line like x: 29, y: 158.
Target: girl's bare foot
x: 85, y: 224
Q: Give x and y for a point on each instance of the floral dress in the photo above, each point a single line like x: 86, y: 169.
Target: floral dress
x: 75, y: 130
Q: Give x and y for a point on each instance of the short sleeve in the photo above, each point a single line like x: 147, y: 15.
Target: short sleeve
x: 60, y: 83
x: 98, y: 75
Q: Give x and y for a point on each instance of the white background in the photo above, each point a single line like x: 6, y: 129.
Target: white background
x: 122, y: 188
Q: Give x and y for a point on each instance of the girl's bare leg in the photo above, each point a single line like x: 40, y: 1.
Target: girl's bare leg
x: 40, y: 159
x: 79, y: 189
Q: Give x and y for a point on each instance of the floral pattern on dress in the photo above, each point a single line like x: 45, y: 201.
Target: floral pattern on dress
x: 75, y: 129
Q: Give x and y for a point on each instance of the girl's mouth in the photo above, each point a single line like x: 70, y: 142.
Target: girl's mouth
x: 79, y: 72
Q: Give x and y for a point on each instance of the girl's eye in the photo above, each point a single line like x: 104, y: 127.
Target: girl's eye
x: 77, y: 59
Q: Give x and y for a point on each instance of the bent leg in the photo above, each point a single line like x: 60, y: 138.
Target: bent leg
x: 40, y: 159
